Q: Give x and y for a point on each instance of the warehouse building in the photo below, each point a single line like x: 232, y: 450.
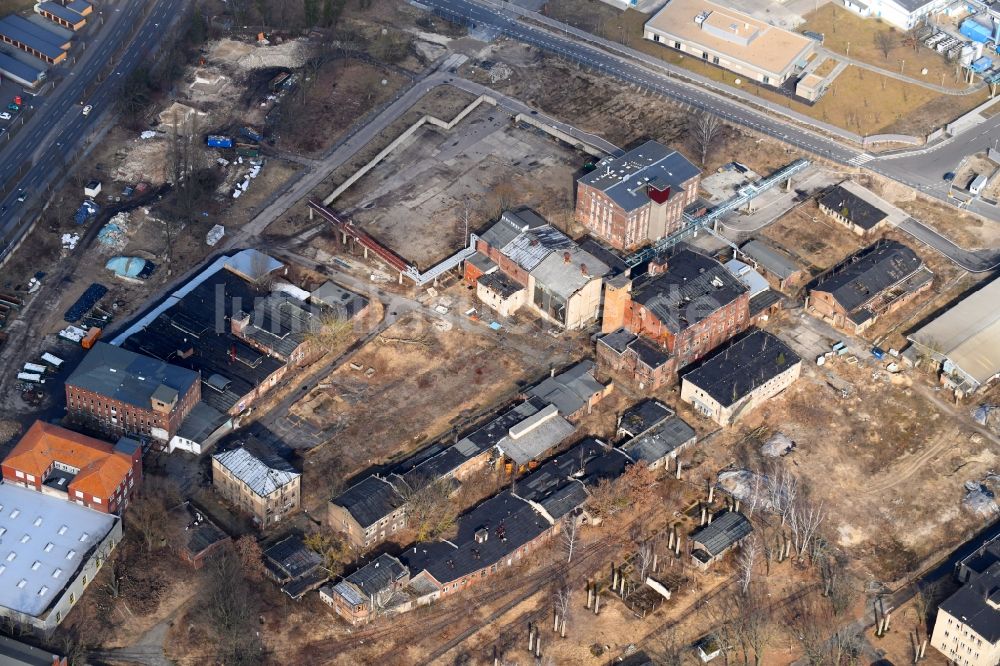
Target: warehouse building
x: 61, y: 15
x: 731, y: 40
x: 30, y: 38
x: 57, y: 553
x: 965, y: 340
x: 903, y: 14
x: 28, y: 75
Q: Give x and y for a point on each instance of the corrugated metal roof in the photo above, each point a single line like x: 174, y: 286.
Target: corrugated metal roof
x: 25, y: 32
x: 724, y: 531
x: 771, y: 259
x: 249, y: 469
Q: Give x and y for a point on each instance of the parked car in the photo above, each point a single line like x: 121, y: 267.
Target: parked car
x: 13, y: 107
x: 950, y: 176
x: 5, y: 116
x: 87, y: 109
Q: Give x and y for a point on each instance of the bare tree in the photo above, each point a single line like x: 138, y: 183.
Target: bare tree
x: 251, y: 557
x: 704, y: 129
x: 885, y: 41
x: 429, y: 509
x: 148, y: 514
x: 782, y: 489
x: 231, y: 609
x: 805, y: 517
x: 562, y: 601
x: 644, y: 557
x: 570, y: 533
x: 749, y: 554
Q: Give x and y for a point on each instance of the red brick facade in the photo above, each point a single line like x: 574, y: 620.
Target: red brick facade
x: 121, y: 418
x: 696, y: 340
x: 628, y: 230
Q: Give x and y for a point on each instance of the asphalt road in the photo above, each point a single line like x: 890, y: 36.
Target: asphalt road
x: 921, y: 169
x: 57, y: 126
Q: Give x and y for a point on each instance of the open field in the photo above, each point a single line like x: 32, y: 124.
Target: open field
x: 969, y: 231
x: 883, y: 101
x: 415, y: 200
x: 892, y: 459
x: 848, y: 34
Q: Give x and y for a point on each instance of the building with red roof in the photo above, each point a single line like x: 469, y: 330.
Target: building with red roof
x: 66, y: 464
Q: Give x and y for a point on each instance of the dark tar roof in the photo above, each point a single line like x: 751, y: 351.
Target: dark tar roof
x: 619, y: 339
x: 764, y: 300
x: 200, y: 322
x: 691, y: 289
x: 369, y: 500
x: 725, y: 530
x: 290, y: 559
x: 510, y: 523
x: 343, y: 302
x: 128, y: 377
x: 642, y: 416
x: 570, y: 390
x: 660, y: 441
x: 648, y: 352
x: 564, y: 499
x: 21, y: 70
x: 853, y: 208
x: 201, y: 422
x: 378, y: 575
x: 498, y: 282
x: 59, y: 11
x: 280, y: 323
x: 202, y: 536
x: 977, y: 603
x: 746, y: 363
x: 771, y: 259
x: 25, y: 32
x: 482, y: 262
x: 615, y: 264
x: 863, y: 276
x: 15, y: 653
x: 625, y: 179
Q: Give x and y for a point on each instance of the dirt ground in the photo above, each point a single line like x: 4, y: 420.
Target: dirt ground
x: 812, y: 238
x: 883, y: 101
x: 415, y: 200
x: 408, y: 401
x: 891, y: 462
x: 967, y: 230
x: 841, y: 28
x: 343, y: 92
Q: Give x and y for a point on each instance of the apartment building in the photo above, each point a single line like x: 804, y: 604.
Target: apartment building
x: 266, y: 487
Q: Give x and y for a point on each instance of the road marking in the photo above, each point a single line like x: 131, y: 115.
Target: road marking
x: 858, y: 160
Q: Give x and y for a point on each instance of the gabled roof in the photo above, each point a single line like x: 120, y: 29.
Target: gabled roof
x: 625, y: 179
x: 375, y: 577
x: 691, y: 289
x: 102, y: 469
x: 853, y: 208
x: 369, y: 500
x: 866, y: 274
x: 771, y: 259
x: 290, y: 558
x: 525, y: 238
x: 262, y: 479
x: 642, y: 416
x: 125, y: 376
x: 570, y: 390
x: 725, y: 530
x: 527, y: 440
x: 742, y: 366
x: 660, y: 440
x: 977, y: 604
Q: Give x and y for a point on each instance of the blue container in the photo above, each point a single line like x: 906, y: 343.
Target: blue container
x: 976, y: 31
x: 216, y: 141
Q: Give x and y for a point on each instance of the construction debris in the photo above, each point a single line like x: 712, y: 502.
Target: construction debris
x: 979, y: 499
x: 779, y: 445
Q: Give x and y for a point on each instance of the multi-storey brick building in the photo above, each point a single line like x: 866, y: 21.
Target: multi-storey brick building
x: 687, y: 304
x: 265, y: 486
x: 637, y: 198
x: 66, y: 464
x: 125, y: 393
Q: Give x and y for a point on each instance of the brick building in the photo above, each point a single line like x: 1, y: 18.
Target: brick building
x: 266, y: 487
x: 369, y: 591
x: 637, y: 198
x: 686, y: 305
x: 71, y: 466
x: 875, y: 281
x: 125, y: 393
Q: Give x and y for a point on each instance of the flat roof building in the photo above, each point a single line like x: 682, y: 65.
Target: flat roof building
x: 52, y: 550
x: 730, y: 39
x: 966, y: 340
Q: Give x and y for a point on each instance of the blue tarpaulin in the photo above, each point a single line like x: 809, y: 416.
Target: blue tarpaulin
x: 130, y: 267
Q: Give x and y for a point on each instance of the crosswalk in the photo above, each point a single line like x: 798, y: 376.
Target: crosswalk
x: 860, y: 159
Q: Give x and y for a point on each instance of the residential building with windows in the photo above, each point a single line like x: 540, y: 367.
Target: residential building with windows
x: 266, y: 487
x: 854, y: 207
x: 122, y: 392
x: 369, y: 591
x: 739, y: 377
x: 637, y: 198
x: 967, y: 627
x: 65, y: 464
